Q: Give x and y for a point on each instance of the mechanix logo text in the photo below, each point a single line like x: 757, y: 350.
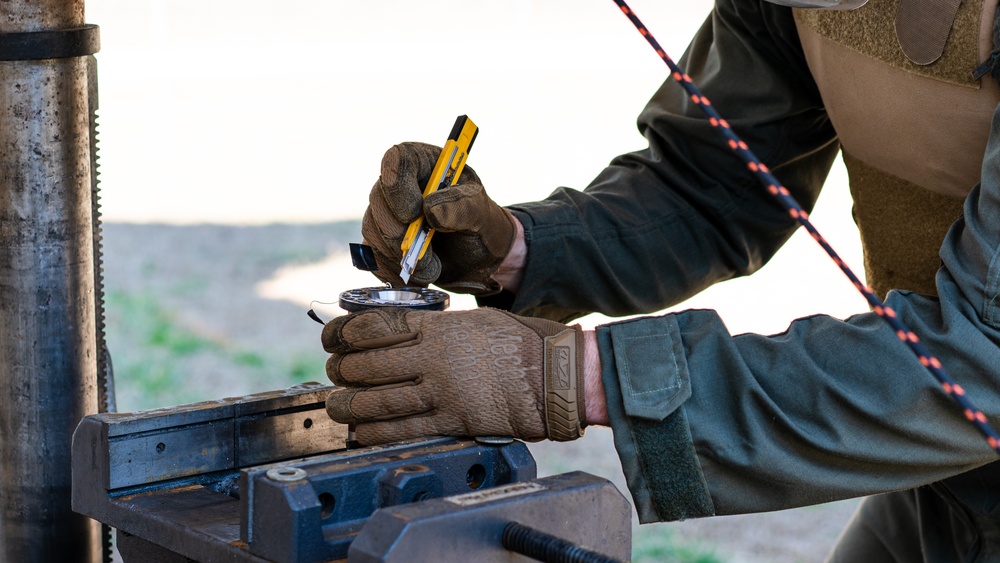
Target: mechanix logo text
x: 470, y: 358
x: 561, y: 367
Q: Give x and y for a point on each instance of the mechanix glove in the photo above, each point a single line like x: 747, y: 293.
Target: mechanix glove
x: 407, y: 373
x: 473, y: 234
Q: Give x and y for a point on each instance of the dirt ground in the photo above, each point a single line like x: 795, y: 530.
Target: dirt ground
x: 187, y: 322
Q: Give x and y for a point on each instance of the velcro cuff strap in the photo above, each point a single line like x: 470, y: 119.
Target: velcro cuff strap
x: 563, y: 354
x: 652, y: 368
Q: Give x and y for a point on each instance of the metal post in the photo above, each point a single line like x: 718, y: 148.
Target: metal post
x: 47, y: 308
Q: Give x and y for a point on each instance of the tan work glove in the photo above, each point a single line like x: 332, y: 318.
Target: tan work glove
x: 485, y: 372
x: 473, y: 234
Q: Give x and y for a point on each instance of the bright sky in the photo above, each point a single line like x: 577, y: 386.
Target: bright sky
x: 253, y: 111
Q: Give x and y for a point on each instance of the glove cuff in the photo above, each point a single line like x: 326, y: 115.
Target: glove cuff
x: 497, y: 236
x: 563, y: 378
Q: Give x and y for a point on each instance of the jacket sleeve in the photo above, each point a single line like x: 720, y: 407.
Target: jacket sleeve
x: 659, y: 225
x: 708, y: 423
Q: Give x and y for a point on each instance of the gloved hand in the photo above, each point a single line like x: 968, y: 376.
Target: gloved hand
x: 407, y: 373
x: 473, y: 234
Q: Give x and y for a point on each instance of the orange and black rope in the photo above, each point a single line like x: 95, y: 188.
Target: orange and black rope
x: 908, y: 337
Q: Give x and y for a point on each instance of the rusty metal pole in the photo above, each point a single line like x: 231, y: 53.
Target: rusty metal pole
x: 47, y: 308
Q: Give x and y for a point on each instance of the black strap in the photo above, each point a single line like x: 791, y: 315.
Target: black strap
x: 55, y: 44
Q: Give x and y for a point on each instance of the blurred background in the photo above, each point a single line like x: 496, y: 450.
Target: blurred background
x: 239, y: 141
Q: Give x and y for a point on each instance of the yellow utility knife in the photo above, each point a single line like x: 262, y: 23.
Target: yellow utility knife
x: 448, y: 168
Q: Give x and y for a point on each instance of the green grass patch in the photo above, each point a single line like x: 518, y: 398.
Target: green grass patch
x: 249, y: 359
x: 161, y: 362
x: 179, y: 342
x: 308, y: 368
x: 142, y: 315
x: 189, y: 286
x: 658, y: 543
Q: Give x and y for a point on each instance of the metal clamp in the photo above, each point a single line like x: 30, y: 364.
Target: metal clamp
x: 50, y: 44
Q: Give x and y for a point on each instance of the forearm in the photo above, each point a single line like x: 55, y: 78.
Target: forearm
x: 511, y: 270
x: 597, y: 410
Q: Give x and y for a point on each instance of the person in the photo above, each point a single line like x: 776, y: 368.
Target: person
x: 707, y: 423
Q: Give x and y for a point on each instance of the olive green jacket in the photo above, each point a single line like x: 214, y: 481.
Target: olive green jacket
x: 708, y: 423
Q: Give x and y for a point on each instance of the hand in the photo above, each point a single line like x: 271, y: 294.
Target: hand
x: 409, y: 373
x: 473, y: 234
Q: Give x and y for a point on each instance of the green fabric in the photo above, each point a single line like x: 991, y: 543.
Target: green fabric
x: 653, y: 385
x: 657, y: 456
x: 870, y: 30
x: 885, y: 528
x: 676, y: 486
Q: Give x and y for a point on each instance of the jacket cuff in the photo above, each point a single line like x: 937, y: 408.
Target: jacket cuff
x: 548, y: 227
x: 646, y: 382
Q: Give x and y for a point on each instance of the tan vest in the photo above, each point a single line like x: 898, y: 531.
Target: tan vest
x: 913, y: 135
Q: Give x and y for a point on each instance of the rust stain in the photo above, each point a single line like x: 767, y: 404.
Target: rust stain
x: 160, y: 492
